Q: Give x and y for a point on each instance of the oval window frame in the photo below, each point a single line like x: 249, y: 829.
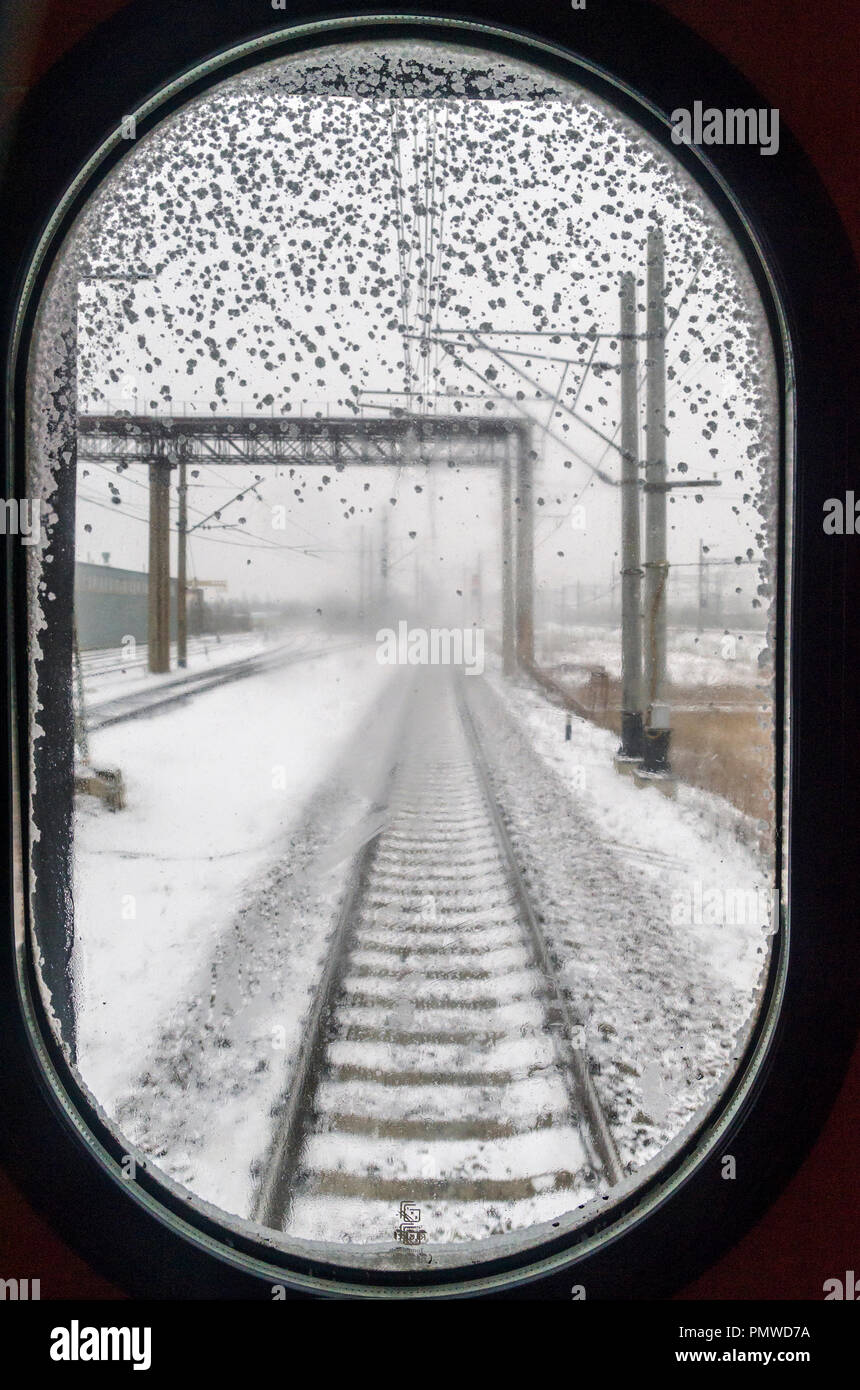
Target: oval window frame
x: 52, y: 1107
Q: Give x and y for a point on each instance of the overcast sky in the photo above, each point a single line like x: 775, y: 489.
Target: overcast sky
x: 290, y: 237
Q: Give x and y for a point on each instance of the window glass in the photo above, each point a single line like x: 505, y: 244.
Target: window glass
x: 405, y: 426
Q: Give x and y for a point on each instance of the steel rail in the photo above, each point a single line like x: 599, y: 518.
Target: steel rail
x: 584, y: 1101
x: 151, y: 701
x: 273, y: 1201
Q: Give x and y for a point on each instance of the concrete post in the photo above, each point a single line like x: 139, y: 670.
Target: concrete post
x: 509, y: 658
x: 525, y: 549
x: 181, y: 573
x: 657, y: 732
x: 631, y: 571
x: 158, y: 625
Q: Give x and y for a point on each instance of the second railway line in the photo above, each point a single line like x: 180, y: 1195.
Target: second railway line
x: 148, y: 700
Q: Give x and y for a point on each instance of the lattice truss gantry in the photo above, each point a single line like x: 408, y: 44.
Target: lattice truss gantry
x: 331, y: 442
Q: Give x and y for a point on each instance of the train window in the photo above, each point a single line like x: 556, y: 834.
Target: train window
x: 407, y: 424
x: 422, y: 838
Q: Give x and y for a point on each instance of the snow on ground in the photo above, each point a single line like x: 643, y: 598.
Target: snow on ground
x: 657, y: 912
x: 364, y: 1219
x: 213, y: 789
x: 713, y: 657
x: 205, y: 909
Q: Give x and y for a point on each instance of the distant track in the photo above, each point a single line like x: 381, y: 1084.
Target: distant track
x: 106, y: 661
x: 139, y: 704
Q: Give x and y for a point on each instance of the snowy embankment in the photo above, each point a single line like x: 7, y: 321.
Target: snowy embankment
x: 204, y: 911
x: 216, y: 788
x: 656, y: 911
x: 711, y: 658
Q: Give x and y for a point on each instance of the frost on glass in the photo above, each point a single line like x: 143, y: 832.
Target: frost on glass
x: 373, y: 939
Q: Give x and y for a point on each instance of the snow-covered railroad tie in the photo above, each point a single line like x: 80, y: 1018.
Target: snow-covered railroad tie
x: 439, y: 1066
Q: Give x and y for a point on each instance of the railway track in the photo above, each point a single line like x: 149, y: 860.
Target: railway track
x: 439, y: 1066
x: 141, y: 703
x: 109, y: 661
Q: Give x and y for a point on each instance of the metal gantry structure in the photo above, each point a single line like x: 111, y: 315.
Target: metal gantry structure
x: 501, y: 441
x: 163, y: 443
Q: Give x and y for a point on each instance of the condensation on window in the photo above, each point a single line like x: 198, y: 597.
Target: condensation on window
x: 405, y: 424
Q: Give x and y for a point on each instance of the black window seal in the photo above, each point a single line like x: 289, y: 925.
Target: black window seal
x: 811, y: 265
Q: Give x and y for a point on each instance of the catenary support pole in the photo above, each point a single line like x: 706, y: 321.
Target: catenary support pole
x: 182, y: 572
x: 657, y: 731
x: 383, y: 557
x: 525, y: 549
x: 631, y: 569
x: 509, y: 657
x: 158, y: 626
